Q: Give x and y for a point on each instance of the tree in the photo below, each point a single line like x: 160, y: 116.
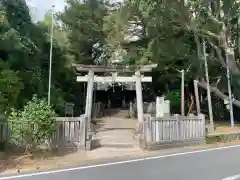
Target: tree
x: 84, y: 21
x: 33, y: 125
x: 24, y: 48
x: 170, y: 36
x: 10, y: 86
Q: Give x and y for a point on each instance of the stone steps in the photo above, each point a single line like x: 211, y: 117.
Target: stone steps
x: 116, y: 113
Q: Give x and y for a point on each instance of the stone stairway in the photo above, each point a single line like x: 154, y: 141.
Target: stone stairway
x: 115, y: 130
x: 114, y: 113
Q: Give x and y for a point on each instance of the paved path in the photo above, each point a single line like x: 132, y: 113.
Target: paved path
x: 212, y: 164
x: 116, y: 131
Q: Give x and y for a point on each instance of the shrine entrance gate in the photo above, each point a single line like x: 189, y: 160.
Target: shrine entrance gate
x: 113, y: 77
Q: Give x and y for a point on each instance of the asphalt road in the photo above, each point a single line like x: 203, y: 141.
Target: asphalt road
x: 214, y: 164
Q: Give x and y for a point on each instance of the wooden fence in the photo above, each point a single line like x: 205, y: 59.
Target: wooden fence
x: 70, y: 132
x: 4, y: 131
x: 173, y: 129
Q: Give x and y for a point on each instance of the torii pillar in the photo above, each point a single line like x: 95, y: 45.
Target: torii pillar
x: 139, y: 97
x: 89, y: 98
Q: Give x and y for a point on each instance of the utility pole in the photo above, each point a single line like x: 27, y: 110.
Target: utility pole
x: 182, y: 94
x: 182, y: 88
x: 208, y: 88
x: 50, y: 58
x: 230, y: 97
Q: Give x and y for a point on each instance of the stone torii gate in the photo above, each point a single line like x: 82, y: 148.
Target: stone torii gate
x: 91, y: 78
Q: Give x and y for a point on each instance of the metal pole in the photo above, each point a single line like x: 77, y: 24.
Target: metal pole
x: 230, y: 98
x: 50, y: 58
x: 182, y: 95
x: 208, y: 89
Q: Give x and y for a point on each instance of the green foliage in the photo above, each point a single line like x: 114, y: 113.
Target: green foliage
x: 175, y: 100
x: 84, y: 21
x: 91, y: 32
x: 33, y: 125
x: 225, y: 137
x: 174, y: 97
x: 2, y: 118
x: 24, y: 56
x: 236, y: 80
x: 213, y: 139
x: 10, y: 86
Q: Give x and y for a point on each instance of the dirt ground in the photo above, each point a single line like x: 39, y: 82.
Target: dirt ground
x: 12, y: 162
x: 226, y: 128
x: 19, y: 163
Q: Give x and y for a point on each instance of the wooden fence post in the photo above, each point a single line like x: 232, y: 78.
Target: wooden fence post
x: 147, y: 124
x: 202, y: 117
x: 177, y: 116
x: 145, y: 134
x: 83, y: 128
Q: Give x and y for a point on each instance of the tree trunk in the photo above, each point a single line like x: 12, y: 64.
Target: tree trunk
x: 227, y: 44
x: 218, y: 93
x: 208, y: 88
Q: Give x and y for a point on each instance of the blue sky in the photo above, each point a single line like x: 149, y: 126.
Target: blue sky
x: 39, y: 7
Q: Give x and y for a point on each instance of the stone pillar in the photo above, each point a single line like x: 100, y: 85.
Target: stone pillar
x: 159, y: 106
x: 88, y: 108
x: 123, y: 103
x: 131, y: 111
x: 159, y: 113
x: 90, y: 93
x: 139, y: 97
x: 87, y: 99
x: 166, y: 108
x: 109, y: 104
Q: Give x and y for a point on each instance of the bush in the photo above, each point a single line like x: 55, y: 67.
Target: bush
x: 175, y: 100
x: 33, y: 125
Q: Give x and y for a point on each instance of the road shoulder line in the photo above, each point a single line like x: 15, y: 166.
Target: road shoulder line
x: 117, y: 163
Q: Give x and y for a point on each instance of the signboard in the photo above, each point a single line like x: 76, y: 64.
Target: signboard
x: 69, y: 109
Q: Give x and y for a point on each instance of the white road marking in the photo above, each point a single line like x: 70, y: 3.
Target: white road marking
x: 232, y: 177
x: 117, y: 163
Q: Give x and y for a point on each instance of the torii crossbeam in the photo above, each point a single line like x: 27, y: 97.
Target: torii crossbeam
x: 108, y: 79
